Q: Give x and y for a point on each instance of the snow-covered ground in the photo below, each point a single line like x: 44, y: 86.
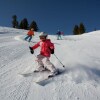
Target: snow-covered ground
x: 80, y: 55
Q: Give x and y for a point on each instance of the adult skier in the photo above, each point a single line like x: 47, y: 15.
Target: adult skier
x: 29, y: 34
x: 47, y: 48
x: 59, y: 33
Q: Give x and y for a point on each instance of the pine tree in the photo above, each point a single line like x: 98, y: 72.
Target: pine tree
x: 34, y: 25
x: 81, y: 28
x: 76, y: 30
x: 14, y: 22
x: 24, y: 24
x: 95, y: 29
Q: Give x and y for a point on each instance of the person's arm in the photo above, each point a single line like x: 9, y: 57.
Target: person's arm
x: 33, y: 33
x: 52, y: 48
x: 31, y: 50
x: 34, y: 47
x: 28, y: 32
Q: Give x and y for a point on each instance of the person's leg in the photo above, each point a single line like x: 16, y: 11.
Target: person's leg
x: 57, y: 37
x: 50, y: 66
x: 30, y: 37
x: 26, y: 37
x: 60, y: 37
x: 40, y: 66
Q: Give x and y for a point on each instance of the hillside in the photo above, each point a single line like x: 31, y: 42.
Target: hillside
x: 80, y: 55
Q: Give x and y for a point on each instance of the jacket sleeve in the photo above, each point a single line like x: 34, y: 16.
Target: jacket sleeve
x: 36, y: 45
x: 51, y: 48
x: 52, y: 45
x: 33, y: 33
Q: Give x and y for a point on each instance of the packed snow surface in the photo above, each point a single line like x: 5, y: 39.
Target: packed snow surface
x: 80, y: 54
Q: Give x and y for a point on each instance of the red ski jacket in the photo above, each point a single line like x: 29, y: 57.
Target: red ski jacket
x: 45, y: 47
x: 30, y: 33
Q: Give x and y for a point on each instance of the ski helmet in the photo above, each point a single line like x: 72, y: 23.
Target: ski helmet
x: 42, y: 34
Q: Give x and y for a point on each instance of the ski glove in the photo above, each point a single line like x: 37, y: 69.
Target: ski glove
x: 52, y: 51
x: 31, y: 50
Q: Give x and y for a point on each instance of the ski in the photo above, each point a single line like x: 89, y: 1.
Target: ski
x: 48, y: 79
x: 42, y: 78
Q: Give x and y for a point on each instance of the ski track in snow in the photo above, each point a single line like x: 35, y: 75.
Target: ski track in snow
x: 11, y: 57
x: 77, y: 83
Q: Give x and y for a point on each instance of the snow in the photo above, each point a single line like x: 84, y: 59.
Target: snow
x: 79, y: 53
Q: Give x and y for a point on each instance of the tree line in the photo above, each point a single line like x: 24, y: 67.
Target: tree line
x: 79, y: 29
x: 25, y: 25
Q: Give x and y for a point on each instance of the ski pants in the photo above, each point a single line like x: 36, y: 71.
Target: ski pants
x: 48, y: 64
x: 30, y: 37
x: 59, y: 37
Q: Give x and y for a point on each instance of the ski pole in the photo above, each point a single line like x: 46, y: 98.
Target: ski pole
x: 59, y: 60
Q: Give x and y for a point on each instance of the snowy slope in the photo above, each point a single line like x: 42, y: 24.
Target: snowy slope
x: 80, y: 55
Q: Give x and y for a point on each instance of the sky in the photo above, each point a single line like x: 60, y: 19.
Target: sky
x: 51, y: 15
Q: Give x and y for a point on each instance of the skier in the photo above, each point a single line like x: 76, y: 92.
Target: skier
x: 29, y: 34
x: 47, y: 48
x: 59, y: 35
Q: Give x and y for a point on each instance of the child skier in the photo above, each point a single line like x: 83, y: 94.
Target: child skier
x: 29, y: 34
x: 47, y: 48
